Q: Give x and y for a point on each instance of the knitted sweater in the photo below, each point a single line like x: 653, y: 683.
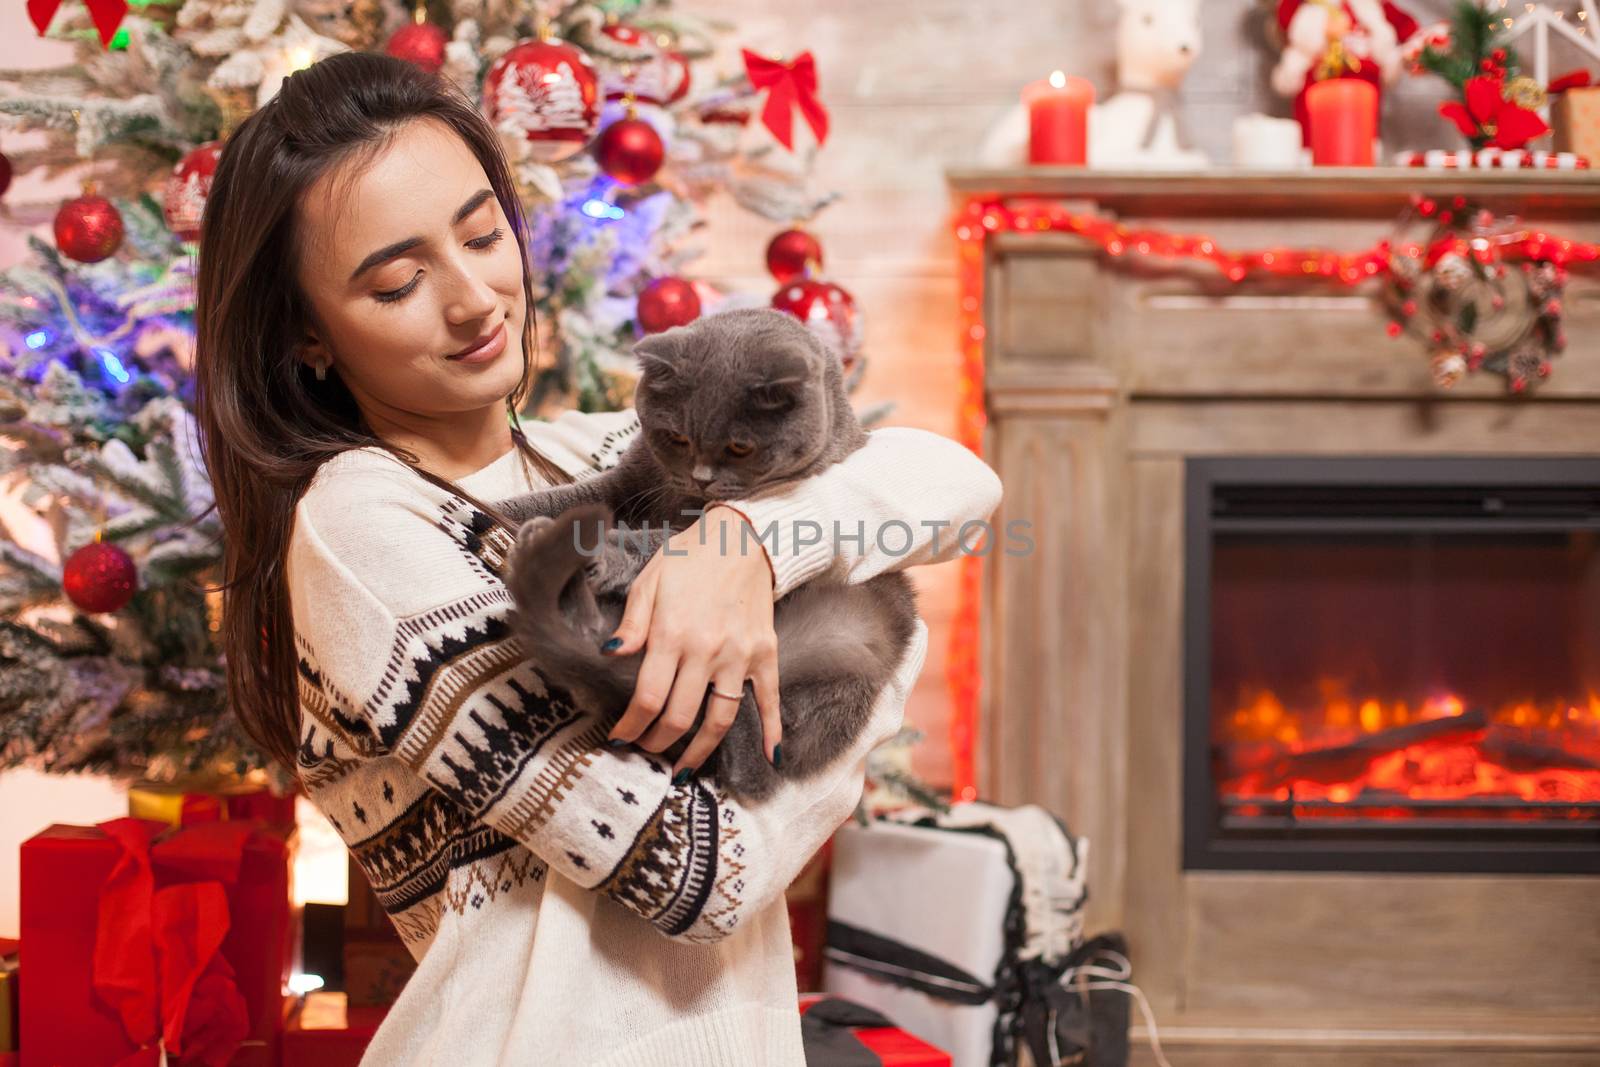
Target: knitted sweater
x: 565, y: 902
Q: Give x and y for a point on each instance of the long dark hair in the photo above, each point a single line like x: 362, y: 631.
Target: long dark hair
x: 266, y: 423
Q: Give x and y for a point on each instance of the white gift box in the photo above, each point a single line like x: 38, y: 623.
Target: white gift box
x: 918, y: 919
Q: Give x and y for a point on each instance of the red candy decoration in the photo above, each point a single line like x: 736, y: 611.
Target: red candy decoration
x: 667, y: 302
x: 680, y: 77
x: 421, y: 43
x: 99, y: 577
x: 630, y: 150
x: 184, y: 202
x: 547, y: 92
x: 791, y: 252
x: 88, y: 228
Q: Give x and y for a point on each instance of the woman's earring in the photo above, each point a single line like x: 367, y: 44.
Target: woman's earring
x: 322, y: 370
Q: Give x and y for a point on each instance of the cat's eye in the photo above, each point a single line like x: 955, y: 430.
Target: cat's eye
x: 740, y: 449
x: 677, y: 440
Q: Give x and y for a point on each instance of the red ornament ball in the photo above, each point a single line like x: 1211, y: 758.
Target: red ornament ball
x: 630, y: 150
x: 790, y: 254
x: 184, y: 202
x: 421, y: 43
x: 88, y: 229
x: 99, y: 577
x: 667, y: 302
x: 828, y: 310
x: 547, y: 92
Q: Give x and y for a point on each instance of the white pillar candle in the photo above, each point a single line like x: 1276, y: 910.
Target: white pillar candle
x: 1267, y: 143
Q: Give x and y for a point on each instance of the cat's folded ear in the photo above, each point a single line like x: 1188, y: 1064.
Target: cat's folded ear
x: 659, y: 355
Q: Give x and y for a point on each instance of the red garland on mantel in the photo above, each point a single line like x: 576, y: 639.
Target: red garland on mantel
x: 984, y: 216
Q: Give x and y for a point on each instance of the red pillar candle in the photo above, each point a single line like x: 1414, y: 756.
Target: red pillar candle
x: 1058, y: 119
x: 1343, y: 117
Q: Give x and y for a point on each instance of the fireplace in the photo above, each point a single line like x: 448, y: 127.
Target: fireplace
x: 1393, y: 664
x: 1143, y: 422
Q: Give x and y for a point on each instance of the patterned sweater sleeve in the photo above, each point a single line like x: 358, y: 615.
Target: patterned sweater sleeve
x: 403, y: 619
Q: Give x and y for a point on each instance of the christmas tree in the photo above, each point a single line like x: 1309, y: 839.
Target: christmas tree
x: 618, y: 131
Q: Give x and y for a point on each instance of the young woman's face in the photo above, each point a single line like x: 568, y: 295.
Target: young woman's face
x: 408, y: 260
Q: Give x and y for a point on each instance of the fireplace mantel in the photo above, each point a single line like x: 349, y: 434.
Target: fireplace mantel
x: 1376, y: 191
x: 1102, y: 377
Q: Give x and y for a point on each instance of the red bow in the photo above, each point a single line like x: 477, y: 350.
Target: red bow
x: 1577, y: 79
x: 157, y: 951
x: 788, y: 85
x: 107, y: 16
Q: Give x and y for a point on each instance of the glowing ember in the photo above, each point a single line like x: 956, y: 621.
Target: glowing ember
x: 1451, y: 756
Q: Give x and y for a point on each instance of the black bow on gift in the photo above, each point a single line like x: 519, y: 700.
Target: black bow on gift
x: 1066, y: 1011
x: 1068, y: 1017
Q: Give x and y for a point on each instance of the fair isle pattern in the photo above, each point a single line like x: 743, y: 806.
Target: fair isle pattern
x: 324, y: 703
x: 484, y: 541
x: 535, y: 805
x: 409, y: 858
x: 485, y: 881
x: 719, y: 914
x: 417, y: 926
x: 613, y: 444
x: 668, y: 873
x: 503, y: 749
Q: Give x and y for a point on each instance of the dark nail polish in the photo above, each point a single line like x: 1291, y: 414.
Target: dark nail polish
x: 611, y: 645
x: 681, y: 777
x: 777, y: 755
x: 618, y: 742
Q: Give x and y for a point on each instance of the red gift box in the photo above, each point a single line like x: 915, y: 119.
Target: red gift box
x: 131, y: 926
x: 893, y: 1046
x: 171, y: 804
x: 328, y: 1032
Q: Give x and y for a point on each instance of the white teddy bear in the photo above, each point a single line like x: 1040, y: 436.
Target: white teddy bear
x: 1137, y: 128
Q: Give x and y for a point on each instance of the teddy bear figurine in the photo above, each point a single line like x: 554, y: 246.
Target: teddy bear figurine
x: 1138, y: 127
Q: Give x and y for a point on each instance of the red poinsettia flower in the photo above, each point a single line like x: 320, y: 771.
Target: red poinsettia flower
x: 1489, y: 117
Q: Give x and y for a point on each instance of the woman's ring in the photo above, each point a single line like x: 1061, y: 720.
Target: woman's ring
x: 730, y: 696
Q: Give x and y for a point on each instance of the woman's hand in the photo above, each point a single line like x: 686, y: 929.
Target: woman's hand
x: 703, y: 615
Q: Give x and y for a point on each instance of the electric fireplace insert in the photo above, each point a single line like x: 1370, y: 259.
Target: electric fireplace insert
x: 1392, y: 664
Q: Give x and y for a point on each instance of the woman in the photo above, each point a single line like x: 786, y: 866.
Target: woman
x: 365, y: 335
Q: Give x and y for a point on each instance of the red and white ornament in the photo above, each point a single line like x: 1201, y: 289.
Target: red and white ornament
x: 829, y: 311
x: 634, y: 65
x: 547, y: 92
x: 184, y: 202
x: 88, y: 228
x: 667, y: 302
x: 99, y: 577
x: 792, y: 253
x: 630, y: 150
x: 421, y: 43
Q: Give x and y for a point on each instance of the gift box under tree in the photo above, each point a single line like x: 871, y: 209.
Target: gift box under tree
x: 961, y: 926
x: 138, y: 938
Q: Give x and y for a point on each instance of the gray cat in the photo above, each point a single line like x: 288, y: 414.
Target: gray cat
x: 727, y: 405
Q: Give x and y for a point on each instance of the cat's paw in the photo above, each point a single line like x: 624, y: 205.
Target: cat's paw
x: 531, y: 531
